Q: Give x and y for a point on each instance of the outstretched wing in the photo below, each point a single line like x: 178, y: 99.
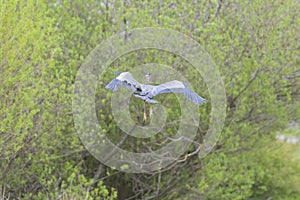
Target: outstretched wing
x: 177, y: 87
x: 124, y: 79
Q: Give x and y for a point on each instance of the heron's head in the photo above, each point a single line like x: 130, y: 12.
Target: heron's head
x: 147, y: 76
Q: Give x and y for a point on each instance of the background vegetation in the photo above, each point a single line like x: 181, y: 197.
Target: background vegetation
x: 255, y: 46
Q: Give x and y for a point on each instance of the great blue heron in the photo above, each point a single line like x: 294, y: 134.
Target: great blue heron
x: 147, y: 92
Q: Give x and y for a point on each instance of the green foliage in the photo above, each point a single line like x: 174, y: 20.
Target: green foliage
x: 263, y: 173
x: 255, y: 46
x: 39, y: 150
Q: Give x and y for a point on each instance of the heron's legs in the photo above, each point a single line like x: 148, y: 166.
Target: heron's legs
x: 150, y: 111
x: 145, y: 115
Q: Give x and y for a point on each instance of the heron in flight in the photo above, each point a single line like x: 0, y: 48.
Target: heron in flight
x: 148, y: 92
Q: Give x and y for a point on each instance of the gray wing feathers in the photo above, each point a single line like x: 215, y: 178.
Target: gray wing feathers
x: 113, y: 85
x: 147, y: 92
x: 178, y: 87
x: 125, y: 79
